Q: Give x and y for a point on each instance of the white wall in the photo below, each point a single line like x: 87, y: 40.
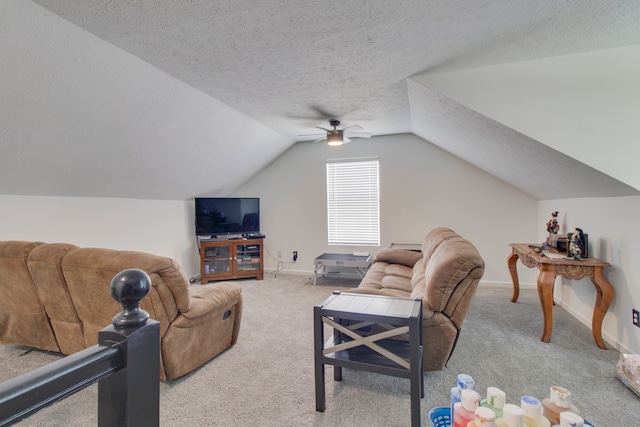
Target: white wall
x: 422, y: 187
x: 156, y: 226
x: 75, y: 109
x: 612, y: 225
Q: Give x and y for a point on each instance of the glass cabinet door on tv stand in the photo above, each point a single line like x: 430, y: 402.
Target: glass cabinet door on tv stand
x: 231, y: 259
x: 216, y: 259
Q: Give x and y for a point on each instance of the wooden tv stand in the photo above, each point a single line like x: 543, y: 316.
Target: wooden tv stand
x: 231, y: 259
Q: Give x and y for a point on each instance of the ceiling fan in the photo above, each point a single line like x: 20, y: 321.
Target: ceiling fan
x: 337, y: 136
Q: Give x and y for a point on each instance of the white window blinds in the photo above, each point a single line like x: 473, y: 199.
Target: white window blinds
x: 353, y: 202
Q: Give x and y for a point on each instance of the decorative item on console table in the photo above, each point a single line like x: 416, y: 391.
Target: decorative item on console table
x: 562, y: 244
x: 552, y: 229
x: 578, y: 244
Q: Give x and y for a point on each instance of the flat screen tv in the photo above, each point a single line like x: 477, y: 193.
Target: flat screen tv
x: 220, y: 216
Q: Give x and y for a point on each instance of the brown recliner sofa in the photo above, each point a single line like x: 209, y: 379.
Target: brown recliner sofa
x: 444, y: 275
x: 57, y: 297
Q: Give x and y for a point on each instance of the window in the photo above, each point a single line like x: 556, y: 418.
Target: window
x: 353, y: 208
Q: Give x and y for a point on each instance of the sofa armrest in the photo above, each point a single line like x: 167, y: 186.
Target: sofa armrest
x: 398, y: 256
x: 210, y: 297
x: 209, y: 327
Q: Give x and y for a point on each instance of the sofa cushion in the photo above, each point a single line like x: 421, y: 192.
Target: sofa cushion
x: 387, y: 292
x: 417, y: 280
x: 45, y: 267
x: 23, y: 319
x: 398, y: 256
x: 398, y: 283
x: 392, y: 277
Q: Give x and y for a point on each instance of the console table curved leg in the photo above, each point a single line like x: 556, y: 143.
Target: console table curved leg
x: 511, y: 262
x: 604, y: 297
x: 546, y: 280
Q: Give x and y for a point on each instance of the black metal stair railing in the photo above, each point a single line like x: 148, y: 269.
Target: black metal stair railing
x: 125, y: 363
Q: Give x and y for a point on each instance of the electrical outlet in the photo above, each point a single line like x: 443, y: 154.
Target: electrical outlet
x: 295, y: 256
x: 636, y: 317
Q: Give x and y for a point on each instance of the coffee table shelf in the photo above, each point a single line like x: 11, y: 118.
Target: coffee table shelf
x: 366, y: 359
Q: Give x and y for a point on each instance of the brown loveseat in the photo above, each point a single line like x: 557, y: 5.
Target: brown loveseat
x: 444, y: 276
x: 56, y: 297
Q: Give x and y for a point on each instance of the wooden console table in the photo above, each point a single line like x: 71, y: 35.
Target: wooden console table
x: 550, y: 268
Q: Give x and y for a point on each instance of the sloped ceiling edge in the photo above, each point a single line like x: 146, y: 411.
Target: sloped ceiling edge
x: 528, y: 165
x: 584, y: 105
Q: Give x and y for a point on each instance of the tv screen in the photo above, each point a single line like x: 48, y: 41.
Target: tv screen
x: 238, y: 215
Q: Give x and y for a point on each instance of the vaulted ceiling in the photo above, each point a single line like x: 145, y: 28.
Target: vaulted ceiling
x: 169, y: 99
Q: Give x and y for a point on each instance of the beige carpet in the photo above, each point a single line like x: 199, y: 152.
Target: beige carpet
x: 267, y: 378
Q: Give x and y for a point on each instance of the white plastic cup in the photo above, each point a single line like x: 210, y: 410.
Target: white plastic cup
x: 569, y: 419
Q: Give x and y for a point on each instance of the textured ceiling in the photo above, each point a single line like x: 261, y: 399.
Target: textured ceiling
x: 287, y: 66
x: 274, y: 60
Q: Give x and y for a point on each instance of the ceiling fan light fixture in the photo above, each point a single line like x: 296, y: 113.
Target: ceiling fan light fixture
x: 334, y: 139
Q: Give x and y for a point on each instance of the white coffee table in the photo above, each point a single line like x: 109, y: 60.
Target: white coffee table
x: 359, y: 264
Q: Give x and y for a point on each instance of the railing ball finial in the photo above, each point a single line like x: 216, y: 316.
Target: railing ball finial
x: 129, y: 287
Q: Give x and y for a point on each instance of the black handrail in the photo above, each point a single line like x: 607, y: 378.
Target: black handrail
x: 125, y: 363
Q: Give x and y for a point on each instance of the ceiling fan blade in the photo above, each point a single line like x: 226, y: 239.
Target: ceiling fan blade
x: 360, y: 134
x: 317, y: 113
x: 324, y: 138
x: 352, y: 127
x: 312, y: 134
x: 345, y: 139
x: 321, y: 112
x: 325, y: 129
